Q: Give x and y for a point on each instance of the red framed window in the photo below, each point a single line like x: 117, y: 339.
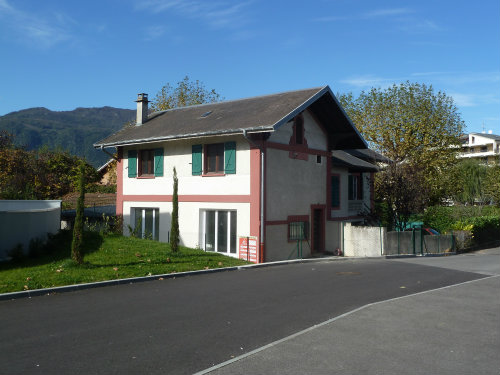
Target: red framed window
x: 298, y: 228
x: 214, y: 158
x: 146, y: 163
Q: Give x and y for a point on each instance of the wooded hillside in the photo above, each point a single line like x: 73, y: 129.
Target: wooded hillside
x: 73, y: 131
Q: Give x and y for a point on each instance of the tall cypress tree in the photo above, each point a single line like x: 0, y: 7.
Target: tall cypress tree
x: 174, y: 228
x: 77, y: 243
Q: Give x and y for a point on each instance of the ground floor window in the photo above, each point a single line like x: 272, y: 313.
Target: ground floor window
x: 146, y: 223
x: 219, y: 231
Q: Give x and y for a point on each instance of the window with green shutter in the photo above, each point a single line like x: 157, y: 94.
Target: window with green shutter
x: 132, y: 163
x: 230, y: 157
x: 159, y: 162
x: 196, y: 160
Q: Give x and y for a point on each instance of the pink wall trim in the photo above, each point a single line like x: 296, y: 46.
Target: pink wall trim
x: 189, y: 198
x: 119, y: 182
x: 255, y: 197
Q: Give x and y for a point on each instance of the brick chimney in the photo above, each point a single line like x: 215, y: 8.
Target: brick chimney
x: 142, y: 109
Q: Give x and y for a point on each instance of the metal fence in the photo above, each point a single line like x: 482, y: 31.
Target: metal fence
x: 415, y: 242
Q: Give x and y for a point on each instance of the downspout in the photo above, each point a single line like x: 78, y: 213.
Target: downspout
x: 261, y: 193
x: 106, y: 152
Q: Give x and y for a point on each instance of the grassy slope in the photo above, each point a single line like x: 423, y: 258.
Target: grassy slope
x: 107, y: 257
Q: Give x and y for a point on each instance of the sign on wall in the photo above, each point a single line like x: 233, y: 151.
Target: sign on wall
x: 247, y: 248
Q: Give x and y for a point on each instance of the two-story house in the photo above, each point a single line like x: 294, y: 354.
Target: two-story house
x: 255, y: 175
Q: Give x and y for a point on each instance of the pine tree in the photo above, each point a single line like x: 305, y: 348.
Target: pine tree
x: 77, y: 243
x: 174, y: 228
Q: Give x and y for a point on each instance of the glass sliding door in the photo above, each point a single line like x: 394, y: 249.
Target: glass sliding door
x: 219, y: 231
x: 147, y: 223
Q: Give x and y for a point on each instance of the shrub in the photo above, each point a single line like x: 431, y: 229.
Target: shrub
x: 484, y: 229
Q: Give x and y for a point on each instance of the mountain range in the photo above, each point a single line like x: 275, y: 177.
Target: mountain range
x: 73, y: 131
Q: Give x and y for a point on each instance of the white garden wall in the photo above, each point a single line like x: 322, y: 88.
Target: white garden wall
x: 24, y: 220
x: 360, y: 241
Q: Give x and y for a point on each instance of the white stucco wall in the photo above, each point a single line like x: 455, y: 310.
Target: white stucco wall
x: 333, y: 238
x: 178, y: 154
x: 363, y: 241
x: 278, y: 248
x: 293, y: 185
x: 190, y: 226
x: 312, y: 133
x: 22, y: 221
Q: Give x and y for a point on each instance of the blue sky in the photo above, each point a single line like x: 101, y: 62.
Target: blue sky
x: 67, y: 54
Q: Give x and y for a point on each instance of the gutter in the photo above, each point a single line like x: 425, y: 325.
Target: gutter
x: 130, y: 142
x: 108, y: 153
x: 262, y: 174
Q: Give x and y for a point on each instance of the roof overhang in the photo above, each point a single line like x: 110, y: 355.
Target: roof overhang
x: 341, y: 158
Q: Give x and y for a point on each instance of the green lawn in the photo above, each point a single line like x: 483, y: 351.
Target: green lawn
x: 107, y: 257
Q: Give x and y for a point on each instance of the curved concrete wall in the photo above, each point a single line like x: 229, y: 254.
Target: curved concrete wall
x: 22, y: 221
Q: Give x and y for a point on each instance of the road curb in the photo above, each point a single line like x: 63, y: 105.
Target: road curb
x: 133, y: 280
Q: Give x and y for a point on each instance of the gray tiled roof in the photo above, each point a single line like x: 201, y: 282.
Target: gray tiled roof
x: 369, y: 155
x: 258, y: 114
x: 345, y: 159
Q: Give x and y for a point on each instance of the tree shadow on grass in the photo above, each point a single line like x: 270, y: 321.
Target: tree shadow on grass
x: 57, y: 249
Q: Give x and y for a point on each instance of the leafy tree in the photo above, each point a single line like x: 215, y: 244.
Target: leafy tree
x: 174, y: 227
x: 43, y: 174
x: 466, y: 182
x: 492, y: 183
x: 186, y: 93
x: 411, y: 124
x: 400, y: 187
x: 77, y: 243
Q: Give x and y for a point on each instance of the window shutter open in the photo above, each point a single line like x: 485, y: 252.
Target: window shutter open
x: 132, y: 163
x: 230, y: 157
x: 335, y: 191
x: 196, y: 160
x: 159, y: 162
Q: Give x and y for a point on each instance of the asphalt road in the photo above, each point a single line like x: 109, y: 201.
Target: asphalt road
x: 185, y: 325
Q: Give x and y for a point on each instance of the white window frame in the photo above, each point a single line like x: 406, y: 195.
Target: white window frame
x: 216, y: 234
x: 143, y: 219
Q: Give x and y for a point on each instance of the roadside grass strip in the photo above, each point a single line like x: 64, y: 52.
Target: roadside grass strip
x: 106, y: 257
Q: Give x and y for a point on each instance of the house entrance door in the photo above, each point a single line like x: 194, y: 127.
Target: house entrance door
x: 318, y: 229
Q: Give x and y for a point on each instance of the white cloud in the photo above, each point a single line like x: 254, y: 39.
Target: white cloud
x: 220, y: 14
x: 154, y: 32
x: 377, y: 13
x: 34, y: 28
x: 387, y: 12
x: 463, y: 100
x: 368, y: 81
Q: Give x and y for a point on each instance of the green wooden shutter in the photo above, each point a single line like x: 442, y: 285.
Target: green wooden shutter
x: 350, y: 195
x: 230, y: 157
x: 360, y: 186
x: 159, y: 162
x: 132, y: 163
x: 196, y: 160
x: 335, y: 189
